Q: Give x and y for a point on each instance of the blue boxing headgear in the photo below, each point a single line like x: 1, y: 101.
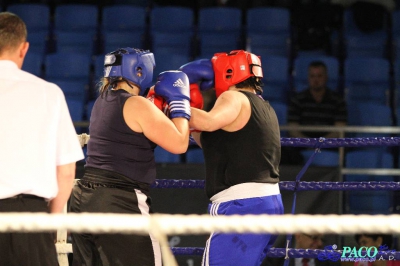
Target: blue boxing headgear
x: 134, y: 65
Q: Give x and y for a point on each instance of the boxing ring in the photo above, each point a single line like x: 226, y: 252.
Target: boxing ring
x: 162, y: 225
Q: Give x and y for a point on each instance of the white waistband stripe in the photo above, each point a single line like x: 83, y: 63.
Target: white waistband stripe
x: 245, y: 191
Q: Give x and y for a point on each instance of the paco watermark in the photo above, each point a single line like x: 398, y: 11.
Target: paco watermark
x: 356, y: 254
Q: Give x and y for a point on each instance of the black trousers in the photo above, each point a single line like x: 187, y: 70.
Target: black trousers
x: 26, y: 249
x: 105, y: 195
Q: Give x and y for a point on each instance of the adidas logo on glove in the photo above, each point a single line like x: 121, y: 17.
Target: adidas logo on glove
x: 179, y: 83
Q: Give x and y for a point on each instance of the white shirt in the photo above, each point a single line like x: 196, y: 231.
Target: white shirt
x: 36, y: 134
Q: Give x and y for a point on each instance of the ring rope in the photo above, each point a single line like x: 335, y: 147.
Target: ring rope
x: 157, y: 224
x: 160, y: 225
x: 200, y: 224
x: 291, y: 185
x: 272, y: 253
x: 311, y: 142
x: 317, y: 149
x: 281, y: 252
x: 341, y: 142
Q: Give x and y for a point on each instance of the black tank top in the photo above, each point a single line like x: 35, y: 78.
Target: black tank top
x: 113, y: 146
x: 251, y: 154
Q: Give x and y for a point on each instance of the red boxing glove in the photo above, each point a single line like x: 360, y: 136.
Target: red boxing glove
x: 158, y: 101
x: 196, y: 98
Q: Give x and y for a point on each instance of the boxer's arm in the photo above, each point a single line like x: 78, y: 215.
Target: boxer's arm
x: 225, y: 111
x: 142, y: 116
x: 200, y: 72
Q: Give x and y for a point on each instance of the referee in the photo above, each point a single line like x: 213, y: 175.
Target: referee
x: 39, y: 148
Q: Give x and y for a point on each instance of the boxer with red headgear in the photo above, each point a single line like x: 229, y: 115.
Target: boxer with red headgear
x: 240, y: 139
x: 235, y: 67
x: 125, y: 128
x: 224, y: 70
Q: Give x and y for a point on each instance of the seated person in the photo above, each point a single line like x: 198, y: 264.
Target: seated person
x: 303, y: 241
x: 375, y: 240
x: 306, y: 241
x: 317, y: 105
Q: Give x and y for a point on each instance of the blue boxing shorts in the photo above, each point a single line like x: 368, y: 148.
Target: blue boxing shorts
x: 242, y: 249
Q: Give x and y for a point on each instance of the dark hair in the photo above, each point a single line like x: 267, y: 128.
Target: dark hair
x: 386, y: 239
x: 12, y: 31
x: 252, y: 82
x: 317, y: 64
x: 107, y: 83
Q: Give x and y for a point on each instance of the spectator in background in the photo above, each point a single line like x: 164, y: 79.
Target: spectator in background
x: 317, y: 105
x: 375, y: 240
x: 313, y: 23
x: 304, y: 241
x: 368, y: 15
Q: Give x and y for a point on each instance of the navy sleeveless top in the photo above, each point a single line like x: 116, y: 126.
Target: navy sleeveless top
x: 251, y: 154
x: 113, y: 146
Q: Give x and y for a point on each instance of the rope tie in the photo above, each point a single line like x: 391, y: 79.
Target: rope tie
x: 317, y: 149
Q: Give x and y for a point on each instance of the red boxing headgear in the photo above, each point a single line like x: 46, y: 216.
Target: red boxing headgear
x: 233, y: 68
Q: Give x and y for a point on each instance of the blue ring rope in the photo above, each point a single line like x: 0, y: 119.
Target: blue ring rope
x: 291, y: 185
x: 335, y: 142
x: 292, y: 253
x: 317, y: 144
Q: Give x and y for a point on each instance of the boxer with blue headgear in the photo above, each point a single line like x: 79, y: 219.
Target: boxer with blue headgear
x: 125, y: 128
x: 131, y: 65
